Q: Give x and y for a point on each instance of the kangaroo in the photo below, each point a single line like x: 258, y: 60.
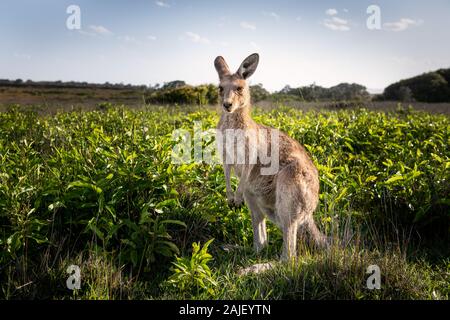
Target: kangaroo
x: 289, y: 196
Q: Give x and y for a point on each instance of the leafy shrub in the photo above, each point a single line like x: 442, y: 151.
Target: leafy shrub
x: 428, y: 87
x: 193, y: 273
x: 104, y: 180
x: 146, y: 240
x: 258, y: 93
x: 202, y: 95
x: 342, y: 91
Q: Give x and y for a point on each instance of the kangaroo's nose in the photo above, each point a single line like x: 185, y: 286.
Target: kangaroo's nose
x: 227, y: 105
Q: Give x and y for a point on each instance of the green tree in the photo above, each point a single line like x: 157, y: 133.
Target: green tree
x: 259, y: 93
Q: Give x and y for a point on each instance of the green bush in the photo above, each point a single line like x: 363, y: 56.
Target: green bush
x: 193, y: 273
x: 103, y: 180
x: 201, y: 95
x: 428, y: 87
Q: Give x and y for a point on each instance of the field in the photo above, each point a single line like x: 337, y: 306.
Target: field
x: 98, y: 189
x: 67, y: 98
x: 53, y: 98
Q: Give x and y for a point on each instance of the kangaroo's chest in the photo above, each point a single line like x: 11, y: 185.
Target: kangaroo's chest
x: 241, y: 146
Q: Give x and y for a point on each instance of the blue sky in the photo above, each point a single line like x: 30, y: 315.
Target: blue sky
x: 148, y: 42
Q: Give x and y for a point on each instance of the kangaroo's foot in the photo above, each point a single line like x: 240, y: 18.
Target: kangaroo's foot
x: 235, y: 201
x: 256, y: 268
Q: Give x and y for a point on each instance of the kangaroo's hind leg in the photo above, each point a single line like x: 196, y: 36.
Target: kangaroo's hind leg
x: 308, y: 231
x: 258, y: 222
x: 296, y: 199
x: 287, y: 211
x: 289, y: 241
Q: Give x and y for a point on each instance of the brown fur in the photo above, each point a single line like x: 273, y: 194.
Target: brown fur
x: 289, y: 197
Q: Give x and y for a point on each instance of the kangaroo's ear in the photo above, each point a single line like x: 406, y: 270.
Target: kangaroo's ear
x: 221, y: 67
x: 248, y: 66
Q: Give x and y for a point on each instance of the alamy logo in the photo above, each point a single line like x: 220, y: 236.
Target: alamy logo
x: 374, y: 20
x: 73, y: 21
x: 233, y: 147
x: 73, y: 282
x: 374, y: 280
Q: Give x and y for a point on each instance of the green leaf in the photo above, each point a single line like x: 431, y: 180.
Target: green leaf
x: 393, y: 179
x: 371, y: 178
x: 85, y: 185
x: 177, y: 222
x: 166, y: 203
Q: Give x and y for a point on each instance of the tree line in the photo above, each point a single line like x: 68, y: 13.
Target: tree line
x: 179, y: 92
x: 428, y: 87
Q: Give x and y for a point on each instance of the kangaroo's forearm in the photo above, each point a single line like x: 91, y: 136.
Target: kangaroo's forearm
x: 240, y: 189
x: 243, y: 183
x: 227, y: 171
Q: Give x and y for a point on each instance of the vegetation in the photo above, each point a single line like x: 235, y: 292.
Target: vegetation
x: 173, y: 92
x: 98, y: 189
x: 431, y: 87
x: 194, y: 272
x: 340, y: 92
x: 427, y: 87
x: 185, y: 94
x: 67, y: 84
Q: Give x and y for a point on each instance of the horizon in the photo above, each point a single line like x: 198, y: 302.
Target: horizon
x: 189, y: 84
x: 152, y: 42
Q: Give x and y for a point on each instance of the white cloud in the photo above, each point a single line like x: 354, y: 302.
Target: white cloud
x: 162, y: 4
x: 22, y: 56
x: 336, y: 24
x: 299, y: 18
x: 87, y: 33
x: 223, y: 43
x: 129, y: 39
x: 340, y: 21
x: 194, y: 37
x: 100, y: 30
x: 272, y: 15
x: 223, y: 21
x: 331, y: 12
x: 152, y: 38
x: 402, y: 24
x: 254, y: 45
x: 345, y: 10
x: 247, y: 25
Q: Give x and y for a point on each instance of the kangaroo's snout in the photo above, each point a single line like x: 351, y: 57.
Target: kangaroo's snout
x: 227, y: 105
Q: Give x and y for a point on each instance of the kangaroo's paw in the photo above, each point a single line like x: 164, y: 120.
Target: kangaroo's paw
x: 230, y: 200
x: 234, y: 201
x: 238, y: 201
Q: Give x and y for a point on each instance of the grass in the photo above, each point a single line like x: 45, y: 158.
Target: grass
x: 98, y: 189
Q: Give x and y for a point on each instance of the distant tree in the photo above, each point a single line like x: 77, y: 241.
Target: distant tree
x: 202, y: 95
x: 173, y: 84
x: 427, y: 87
x: 258, y: 92
x: 405, y: 94
x: 445, y: 73
x: 286, y: 90
x: 212, y: 94
x: 313, y: 92
x: 348, y: 91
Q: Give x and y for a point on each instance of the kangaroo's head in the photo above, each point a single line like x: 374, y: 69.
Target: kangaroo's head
x: 233, y: 88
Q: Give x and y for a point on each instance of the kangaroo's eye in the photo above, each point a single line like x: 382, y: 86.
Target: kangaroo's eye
x: 239, y: 89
